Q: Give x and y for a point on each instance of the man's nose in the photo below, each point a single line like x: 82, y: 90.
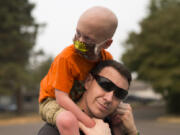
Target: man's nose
x: 109, y: 96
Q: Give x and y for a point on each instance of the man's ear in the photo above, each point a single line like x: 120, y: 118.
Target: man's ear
x: 107, y: 43
x: 88, y: 81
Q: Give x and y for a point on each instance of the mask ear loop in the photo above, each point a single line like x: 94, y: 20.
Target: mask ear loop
x: 96, y: 50
x: 97, y: 46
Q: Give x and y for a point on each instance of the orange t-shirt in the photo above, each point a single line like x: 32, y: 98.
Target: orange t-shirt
x: 66, y: 67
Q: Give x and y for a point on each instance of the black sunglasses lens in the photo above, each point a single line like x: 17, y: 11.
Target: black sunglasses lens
x: 108, y: 86
x: 121, y: 94
x: 105, y: 84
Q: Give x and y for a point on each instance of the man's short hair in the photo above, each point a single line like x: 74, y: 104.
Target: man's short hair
x: 114, y: 64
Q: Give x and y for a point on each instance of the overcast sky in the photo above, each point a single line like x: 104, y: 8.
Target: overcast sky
x: 61, y: 18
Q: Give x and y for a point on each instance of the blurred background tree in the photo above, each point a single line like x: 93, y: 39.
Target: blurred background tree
x: 154, y: 52
x: 22, y: 68
x: 37, y: 69
x: 18, y: 31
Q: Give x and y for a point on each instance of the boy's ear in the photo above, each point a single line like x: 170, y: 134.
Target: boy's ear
x: 107, y: 44
x: 88, y: 81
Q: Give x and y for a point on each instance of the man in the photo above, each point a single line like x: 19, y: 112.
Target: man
x: 106, y: 87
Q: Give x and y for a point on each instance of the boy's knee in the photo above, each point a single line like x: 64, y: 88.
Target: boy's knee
x: 66, y: 119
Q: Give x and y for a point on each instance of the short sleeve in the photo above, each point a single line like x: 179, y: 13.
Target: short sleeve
x: 106, y: 55
x: 62, y: 75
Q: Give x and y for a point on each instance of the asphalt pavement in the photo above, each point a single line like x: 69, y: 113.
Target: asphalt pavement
x: 145, y: 119
x: 148, y: 121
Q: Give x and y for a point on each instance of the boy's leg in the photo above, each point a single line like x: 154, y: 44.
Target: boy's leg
x: 48, y: 110
x: 65, y: 121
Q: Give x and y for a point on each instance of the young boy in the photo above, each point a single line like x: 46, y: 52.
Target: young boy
x: 94, y: 33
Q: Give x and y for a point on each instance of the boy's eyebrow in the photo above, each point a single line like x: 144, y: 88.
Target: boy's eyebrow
x: 85, y: 36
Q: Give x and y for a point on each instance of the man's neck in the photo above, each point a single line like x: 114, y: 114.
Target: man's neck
x: 81, y: 103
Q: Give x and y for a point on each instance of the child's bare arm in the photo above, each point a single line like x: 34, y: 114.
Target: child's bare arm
x: 66, y: 102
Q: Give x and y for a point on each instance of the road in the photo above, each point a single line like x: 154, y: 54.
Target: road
x: 145, y: 118
x: 147, y: 122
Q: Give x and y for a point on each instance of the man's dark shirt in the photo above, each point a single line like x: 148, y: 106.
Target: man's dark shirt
x: 49, y: 129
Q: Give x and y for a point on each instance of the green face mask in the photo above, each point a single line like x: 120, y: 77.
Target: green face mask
x: 80, y: 46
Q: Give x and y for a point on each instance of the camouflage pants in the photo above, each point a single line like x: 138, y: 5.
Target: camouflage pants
x: 49, y: 109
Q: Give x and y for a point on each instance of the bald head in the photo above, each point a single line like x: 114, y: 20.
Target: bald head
x: 98, y: 22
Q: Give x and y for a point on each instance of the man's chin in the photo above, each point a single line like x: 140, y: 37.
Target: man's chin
x: 100, y: 115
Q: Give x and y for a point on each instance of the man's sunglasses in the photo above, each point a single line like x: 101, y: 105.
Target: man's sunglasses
x: 108, y: 86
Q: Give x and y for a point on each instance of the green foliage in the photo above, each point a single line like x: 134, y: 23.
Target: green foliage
x: 18, y: 32
x: 17, y: 38
x: 173, y: 102
x: 154, y: 53
x: 12, y: 77
x: 36, y: 74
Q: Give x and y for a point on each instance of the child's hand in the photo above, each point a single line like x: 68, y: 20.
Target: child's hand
x: 101, y: 128
x: 88, y: 122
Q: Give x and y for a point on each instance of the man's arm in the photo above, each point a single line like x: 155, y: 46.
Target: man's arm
x: 66, y: 102
x: 123, y: 120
